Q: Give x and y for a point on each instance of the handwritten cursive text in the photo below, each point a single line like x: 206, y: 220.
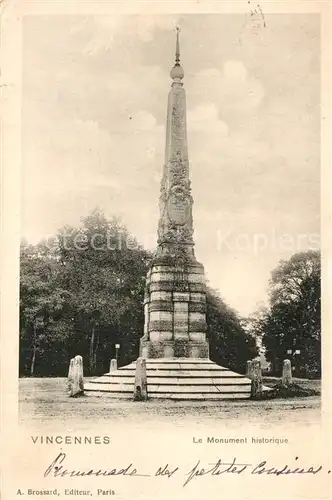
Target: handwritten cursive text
x: 235, y: 467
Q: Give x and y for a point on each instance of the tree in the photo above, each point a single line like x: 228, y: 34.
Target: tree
x: 293, y: 319
x: 254, y: 326
x: 42, y: 300
x: 81, y: 293
x: 230, y: 345
x: 105, y: 269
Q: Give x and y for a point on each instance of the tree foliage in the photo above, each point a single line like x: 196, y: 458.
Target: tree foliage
x: 82, y: 292
x: 230, y: 344
x: 292, y: 321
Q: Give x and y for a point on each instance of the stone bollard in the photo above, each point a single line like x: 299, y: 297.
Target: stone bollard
x: 70, y: 375
x: 75, y: 377
x: 286, y: 373
x: 141, y: 386
x: 249, y: 369
x: 256, y: 378
x: 113, y: 365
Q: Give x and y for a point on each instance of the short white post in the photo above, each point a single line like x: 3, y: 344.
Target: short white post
x: 75, y: 377
x: 141, y: 386
x: 256, y: 380
x: 113, y: 365
x: 249, y: 369
x: 286, y: 373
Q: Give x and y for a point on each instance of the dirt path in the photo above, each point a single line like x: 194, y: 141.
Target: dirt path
x: 45, y: 400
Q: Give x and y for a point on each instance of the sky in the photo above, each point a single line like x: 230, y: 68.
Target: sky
x: 93, y: 133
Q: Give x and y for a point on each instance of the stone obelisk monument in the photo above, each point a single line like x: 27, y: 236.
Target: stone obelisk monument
x: 174, y: 352
x: 175, y: 298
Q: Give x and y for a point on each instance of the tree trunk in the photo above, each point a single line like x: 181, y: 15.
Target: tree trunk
x: 91, y: 351
x: 34, y: 349
x: 95, y: 350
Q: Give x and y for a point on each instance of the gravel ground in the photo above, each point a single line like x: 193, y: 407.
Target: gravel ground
x: 45, y: 400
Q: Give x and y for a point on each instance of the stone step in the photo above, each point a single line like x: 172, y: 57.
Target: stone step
x: 182, y: 379
x: 180, y: 374
x: 173, y: 380
x: 183, y: 369
x: 174, y: 396
x: 180, y: 361
x: 177, y: 366
x: 167, y: 388
x: 203, y: 397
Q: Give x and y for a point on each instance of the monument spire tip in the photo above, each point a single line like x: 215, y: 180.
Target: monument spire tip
x: 177, y: 72
x: 177, y: 49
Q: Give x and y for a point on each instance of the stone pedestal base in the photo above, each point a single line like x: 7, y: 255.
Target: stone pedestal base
x: 174, y: 349
x: 175, y: 310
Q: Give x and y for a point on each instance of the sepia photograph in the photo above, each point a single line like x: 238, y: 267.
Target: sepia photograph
x: 171, y: 213
x: 169, y: 270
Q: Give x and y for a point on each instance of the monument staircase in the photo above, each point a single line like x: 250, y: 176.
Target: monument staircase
x: 175, y: 379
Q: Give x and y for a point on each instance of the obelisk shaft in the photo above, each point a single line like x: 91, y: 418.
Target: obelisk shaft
x: 175, y: 298
x: 175, y: 230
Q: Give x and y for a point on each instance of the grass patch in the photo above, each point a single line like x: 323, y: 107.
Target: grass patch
x: 291, y: 391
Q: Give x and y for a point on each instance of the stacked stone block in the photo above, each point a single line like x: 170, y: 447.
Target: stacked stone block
x: 175, y: 308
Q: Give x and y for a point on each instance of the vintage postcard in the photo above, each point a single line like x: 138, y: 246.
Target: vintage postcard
x: 166, y: 211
